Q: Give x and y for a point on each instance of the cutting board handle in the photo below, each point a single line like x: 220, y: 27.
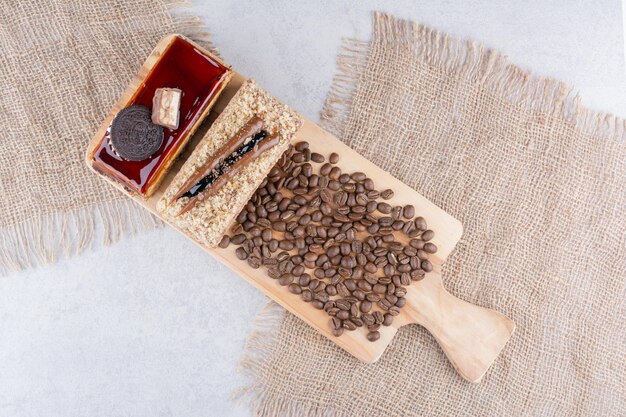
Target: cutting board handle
x: 470, y: 336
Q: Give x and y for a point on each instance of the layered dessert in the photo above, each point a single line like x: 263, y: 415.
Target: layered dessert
x: 148, y: 134
x: 229, y: 164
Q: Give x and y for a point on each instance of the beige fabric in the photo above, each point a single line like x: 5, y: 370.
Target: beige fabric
x: 539, y: 183
x: 63, y: 64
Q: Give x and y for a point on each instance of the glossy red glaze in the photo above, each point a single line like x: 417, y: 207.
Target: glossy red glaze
x: 199, y: 77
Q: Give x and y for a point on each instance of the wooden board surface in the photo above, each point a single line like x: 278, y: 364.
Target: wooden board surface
x: 471, y: 345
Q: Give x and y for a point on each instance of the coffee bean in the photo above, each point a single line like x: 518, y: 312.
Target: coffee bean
x: 331, y: 290
x: 266, y: 235
x: 394, y: 310
x: 356, y: 246
x: 321, y: 295
x: 224, y: 242
x: 304, y: 280
x: 340, y: 198
x: 410, y: 251
x: 338, y: 332
x: 342, y: 290
x: 427, y: 266
x: 384, y: 280
x: 350, y: 284
x: 238, y: 239
x: 373, y: 194
x: 273, y: 273
x: 384, y: 207
x: 378, y: 317
x: 408, y: 227
x: 336, y: 323
x: 343, y: 314
x: 241, y: 253
x: 349, y: 325
x: 367, y: 319
x: 326, y: 196
x: 354, y: 310
x: 371, y: 207
x: 316, y: 157
x: 301, y: 146
x: 361, y: 200
x: 294, y: 289
x: 420, y: 223
x: 430, y: 247
x: 386, y: 194
x: 364, y: 285
x: 391, y: 297
x: 372, y: 298
x: 427, y: 235
x: 269, y: 261
x: 342, y: 218
x: 408, y: 211
x: 358, y: 294
x: 334, y: 185
x: 422, y: 255
x: 379, y: 289
x: 254, y: 262
x: 366, y: 306
x: 333, y: 158
x: 325, y: 169
x: 396, y: 280
x: 285, y: 279
x: 358, y: 176
x: 373, y: 336
x: 396, y: 213
x: 384, y: 304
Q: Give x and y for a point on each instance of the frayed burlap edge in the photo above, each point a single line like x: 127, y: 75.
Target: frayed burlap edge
x: 191, y: 25
x: 44, y: 240
x: 466, y: 60
x: 260, y: 342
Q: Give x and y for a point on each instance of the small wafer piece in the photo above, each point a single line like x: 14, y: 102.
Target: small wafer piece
x: 208, y: 219
x: 166, y: 107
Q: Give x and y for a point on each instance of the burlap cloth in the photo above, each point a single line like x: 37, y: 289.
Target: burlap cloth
x: 63, y: 64
x: 539, y: 183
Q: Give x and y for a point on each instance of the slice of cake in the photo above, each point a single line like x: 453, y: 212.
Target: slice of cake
x: 154, y: 124
x: 229, y: 164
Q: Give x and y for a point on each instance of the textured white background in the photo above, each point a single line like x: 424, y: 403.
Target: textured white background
x: 151, y: 326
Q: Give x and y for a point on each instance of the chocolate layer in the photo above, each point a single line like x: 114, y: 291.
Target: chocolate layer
x: 225, y: 171
x: 250, y: 129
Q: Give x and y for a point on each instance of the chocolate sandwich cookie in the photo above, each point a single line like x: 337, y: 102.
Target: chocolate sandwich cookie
x: 133, y: 135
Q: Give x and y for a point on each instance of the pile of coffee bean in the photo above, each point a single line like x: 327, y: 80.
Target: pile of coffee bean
x: 328, y: 237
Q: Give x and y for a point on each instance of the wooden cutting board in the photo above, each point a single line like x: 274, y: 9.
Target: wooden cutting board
x: 470, y: 336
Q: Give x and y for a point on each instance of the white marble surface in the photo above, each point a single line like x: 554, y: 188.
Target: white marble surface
x: 151, y: 326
